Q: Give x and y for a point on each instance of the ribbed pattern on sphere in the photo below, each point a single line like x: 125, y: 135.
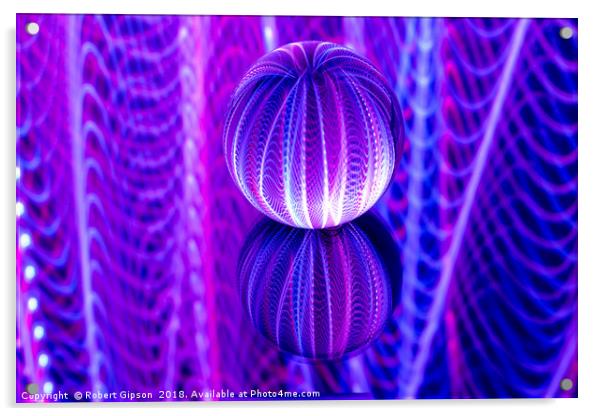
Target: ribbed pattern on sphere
x: 311, y: 134
x: 315, y: 293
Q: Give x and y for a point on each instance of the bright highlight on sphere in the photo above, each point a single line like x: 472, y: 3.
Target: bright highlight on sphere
x: 311, y: 134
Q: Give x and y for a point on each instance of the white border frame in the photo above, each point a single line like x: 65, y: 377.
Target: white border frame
x: 590, y: 201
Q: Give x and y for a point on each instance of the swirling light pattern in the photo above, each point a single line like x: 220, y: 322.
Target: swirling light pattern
x: 129, y: 224
x: 317, y: 294
x: 311, y: 134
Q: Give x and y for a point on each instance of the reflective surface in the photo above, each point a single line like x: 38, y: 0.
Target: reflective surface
x: 318, y: 294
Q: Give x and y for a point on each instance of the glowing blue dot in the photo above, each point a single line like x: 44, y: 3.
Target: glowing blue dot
x: 268, y: 34
x: 48, y: 387
x: 32, y: 304
x: 20, y: 208
x: 25, y: 240
x: 38, y: 332
x: 18, y: 173
x: 267, y: 31
x: 30, y: 272
x: 183, y: 34
x: 43, y: 360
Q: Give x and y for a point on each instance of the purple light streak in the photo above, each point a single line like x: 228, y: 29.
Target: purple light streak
x: 434, y: 319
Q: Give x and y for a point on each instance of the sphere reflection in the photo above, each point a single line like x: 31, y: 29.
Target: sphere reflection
x: 318, y: 293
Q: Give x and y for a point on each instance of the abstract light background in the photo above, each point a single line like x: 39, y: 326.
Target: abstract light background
x: 129, y: 226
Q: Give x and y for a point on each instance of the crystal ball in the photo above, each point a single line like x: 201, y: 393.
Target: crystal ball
x: 312, y: 133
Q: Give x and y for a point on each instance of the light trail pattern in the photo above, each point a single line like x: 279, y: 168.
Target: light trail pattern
x: 129, y: 225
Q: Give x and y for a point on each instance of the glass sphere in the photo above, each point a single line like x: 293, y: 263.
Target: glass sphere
x: 311, y: 134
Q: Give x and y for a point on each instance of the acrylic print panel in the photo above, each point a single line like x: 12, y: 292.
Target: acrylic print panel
x: 281, y: 208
